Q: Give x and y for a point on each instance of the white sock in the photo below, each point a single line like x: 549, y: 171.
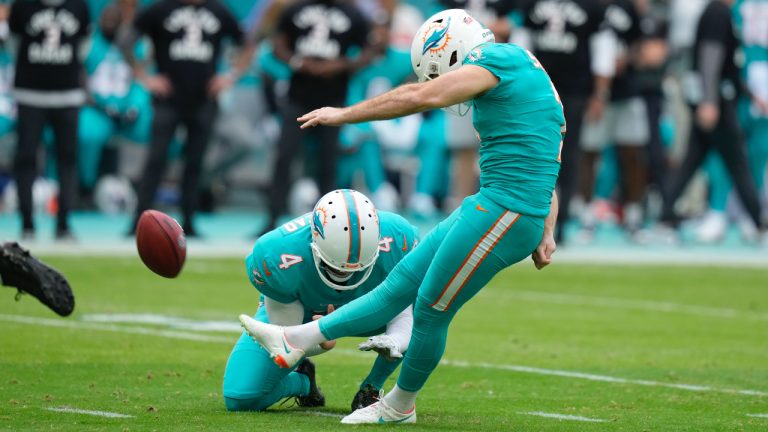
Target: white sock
x: 400, y: 400
x: 304, y: 336
x: 633, y: 216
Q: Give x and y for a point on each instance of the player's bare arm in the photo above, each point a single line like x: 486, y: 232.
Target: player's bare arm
x: 448, y: 89
x: 542, y: 256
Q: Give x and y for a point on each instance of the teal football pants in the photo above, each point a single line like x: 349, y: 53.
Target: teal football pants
x: 453, y: 263
x: 253, y: 382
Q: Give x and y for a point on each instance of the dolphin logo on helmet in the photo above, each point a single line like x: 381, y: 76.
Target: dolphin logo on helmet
x: 434, y: 39
x: 443, y: 42
x: 318, y: 221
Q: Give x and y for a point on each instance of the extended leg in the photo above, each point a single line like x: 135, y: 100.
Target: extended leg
x: 459, y: 270
x: 378, y: 307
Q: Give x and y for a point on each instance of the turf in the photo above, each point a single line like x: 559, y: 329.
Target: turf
x: 700, y: 326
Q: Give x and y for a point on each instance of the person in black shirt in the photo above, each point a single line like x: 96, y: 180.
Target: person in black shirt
x: 314, y: 38
x: 49, y: 90
x: 492, y: 13
x: 715, y: 87
x: 561, y: 33
x: 187, y: 37
x: 651, y: 67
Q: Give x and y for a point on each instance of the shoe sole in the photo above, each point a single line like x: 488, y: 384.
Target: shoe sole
x: 37, y: 279
x: 278, y: 359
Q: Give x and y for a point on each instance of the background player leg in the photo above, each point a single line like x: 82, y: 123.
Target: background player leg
x: 64, y: 123
x: 728, y: 140
x: 164, y: 125
x: 199, y: 126
x: 30, y: 130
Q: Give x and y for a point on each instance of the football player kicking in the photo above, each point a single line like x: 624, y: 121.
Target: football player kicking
x: 520, y: 123
x: 305, y: 269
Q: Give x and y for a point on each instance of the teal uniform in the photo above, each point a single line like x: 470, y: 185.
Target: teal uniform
x: 749, y: 18
x: 520, y: 122
x: 281, y: 267
x: 116, y: 96
x: 360, y: 148
x: 7, y: 103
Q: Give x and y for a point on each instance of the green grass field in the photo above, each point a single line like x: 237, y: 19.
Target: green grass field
x: 632, y: 348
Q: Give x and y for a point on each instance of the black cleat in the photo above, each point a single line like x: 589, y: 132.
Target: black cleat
x: 367, y: 395
x: 26, y: 273
x: 315, y: 398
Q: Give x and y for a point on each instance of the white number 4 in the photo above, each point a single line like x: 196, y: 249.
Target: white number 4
x: 288, y: 260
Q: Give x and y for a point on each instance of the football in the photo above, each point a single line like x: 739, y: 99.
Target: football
x: 161, y: 243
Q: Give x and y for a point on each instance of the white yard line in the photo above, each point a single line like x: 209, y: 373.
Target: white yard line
x: 603, y: 378
x: 563, y: 416
x: 66, y: 409
x: 173, y: 334
x: 644, y: 305
x: 765, y: 416
x: 165, y: 320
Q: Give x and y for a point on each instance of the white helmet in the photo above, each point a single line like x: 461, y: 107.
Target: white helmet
x: 442, y: 43
x: 345, y: 238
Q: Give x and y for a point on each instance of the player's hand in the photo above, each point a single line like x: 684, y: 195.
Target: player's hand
x: 383, y: 344
x: 158, y: 85
x: 327, y: 116
x: 330, y: 344
x: 595, y: 109
x: 542, y: 256
x: 219, y: 83
x: 707, y: 115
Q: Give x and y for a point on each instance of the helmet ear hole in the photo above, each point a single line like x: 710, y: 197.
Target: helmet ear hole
x: 454, y: 58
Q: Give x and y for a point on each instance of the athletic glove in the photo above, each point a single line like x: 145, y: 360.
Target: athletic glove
x: 384, y: 345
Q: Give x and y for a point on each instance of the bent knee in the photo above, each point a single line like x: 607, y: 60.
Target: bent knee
x: 245, y: 404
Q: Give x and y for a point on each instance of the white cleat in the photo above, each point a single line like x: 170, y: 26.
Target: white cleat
x: 379, y: 413
x: 272, y: 339
x: 712, y: 228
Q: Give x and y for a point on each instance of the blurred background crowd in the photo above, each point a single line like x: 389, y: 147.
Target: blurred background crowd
x: 189, y: 105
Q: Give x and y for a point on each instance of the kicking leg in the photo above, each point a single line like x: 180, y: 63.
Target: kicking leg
x: 458, y: 271
x: 363, y: 315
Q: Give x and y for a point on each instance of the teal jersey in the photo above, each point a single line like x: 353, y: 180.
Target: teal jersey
x: 751, y: 20
x: 7, y: 103
x: 110, y: 80
x: 521, y: 124
x: 281, y: 266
